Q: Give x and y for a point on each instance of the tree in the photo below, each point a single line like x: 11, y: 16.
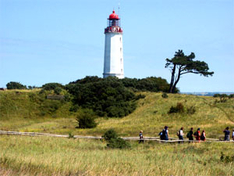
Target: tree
x: 181, y: 64
x: 15, y: 85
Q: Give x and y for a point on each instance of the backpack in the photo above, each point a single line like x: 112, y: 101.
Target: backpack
x: 162, y: 135
x: 178, y: 133
x: 188, y: 135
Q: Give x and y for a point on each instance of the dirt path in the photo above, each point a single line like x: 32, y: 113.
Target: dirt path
x: 172, y: 140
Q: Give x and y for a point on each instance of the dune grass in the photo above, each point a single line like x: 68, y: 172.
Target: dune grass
x: 21, y: 155
x: 30, y: 111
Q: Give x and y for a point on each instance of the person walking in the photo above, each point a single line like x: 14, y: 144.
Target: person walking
x: 166, y: 133
x: 233, y: 134
x: 197, y: 135
x: 203, y: 136
x: 181, y: 134
x: 141, y: 137
x: 226, y: 134
x: 190, y: 135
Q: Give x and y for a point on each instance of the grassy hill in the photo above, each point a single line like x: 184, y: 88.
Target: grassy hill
x: 29, y: 110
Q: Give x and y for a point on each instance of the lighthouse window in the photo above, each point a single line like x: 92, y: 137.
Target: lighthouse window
x: 120, y: 49
x: 120, y: 38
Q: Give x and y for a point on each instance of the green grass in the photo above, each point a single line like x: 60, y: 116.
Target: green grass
x: 21, y: 155
x: 30, y: 111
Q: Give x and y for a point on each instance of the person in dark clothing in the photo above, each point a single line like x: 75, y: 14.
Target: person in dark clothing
x: 203, y: 136
x: 226, y: 134
x: 190, y: 134
x: 197, y: 134
x: 161, y: 135
x: 166, y: 133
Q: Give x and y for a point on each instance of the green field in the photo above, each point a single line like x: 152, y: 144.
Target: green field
x: 56, y: 156
x: 30, y: 111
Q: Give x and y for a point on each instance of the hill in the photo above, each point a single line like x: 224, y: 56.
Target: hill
x: 30, y: 110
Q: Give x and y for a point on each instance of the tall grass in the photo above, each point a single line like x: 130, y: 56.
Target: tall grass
x: 24, y: 112
x: 56, y: 156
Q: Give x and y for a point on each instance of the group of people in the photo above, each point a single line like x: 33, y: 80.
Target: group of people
x: 191, y: 135
x: 198, y: 135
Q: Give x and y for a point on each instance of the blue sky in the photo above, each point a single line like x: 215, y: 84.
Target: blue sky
x: 44, y: 41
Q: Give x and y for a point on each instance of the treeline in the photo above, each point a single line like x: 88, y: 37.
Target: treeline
x: 152, y: 84
x: 223, y: 97
x: 110, y: 97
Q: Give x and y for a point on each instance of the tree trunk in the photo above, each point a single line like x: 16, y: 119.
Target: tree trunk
x: 177, y: 80
x: 172, y: 79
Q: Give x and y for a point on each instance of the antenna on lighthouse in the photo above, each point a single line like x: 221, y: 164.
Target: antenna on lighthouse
x: 119, y: 8
x: 119, y: 12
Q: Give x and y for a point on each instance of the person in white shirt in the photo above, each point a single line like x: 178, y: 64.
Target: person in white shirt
x: 181, y: 134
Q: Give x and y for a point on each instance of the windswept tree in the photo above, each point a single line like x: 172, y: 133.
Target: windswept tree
x: 182, y: 64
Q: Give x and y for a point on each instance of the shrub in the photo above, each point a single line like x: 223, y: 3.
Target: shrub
x: 179, y: 108
x: 110, y: 134
x: 57, y: 90
x: 52, y: 86
x: 71, y: 136
x: 164, y: 95
x: 140, y: 96
x: 86, y: 119
x: 226, y: 159
x: 191, y: 110
x: 107, y: 97
x: 231, y: 96
x: 49, y: 107
x: 15, y: 85
x: 222, y: 97
x: 114, y: 141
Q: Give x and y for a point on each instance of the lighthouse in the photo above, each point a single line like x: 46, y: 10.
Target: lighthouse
x: 113, y: 54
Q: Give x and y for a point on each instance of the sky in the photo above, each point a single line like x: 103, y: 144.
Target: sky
x: 44, y: 41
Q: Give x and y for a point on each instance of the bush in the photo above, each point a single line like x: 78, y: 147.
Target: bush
x: 110, y: 134
x: 222, y: 97
x: 107, y: 97
x: 179, y: 108
x: 164, y: 95
x: 15, y: 85
x: 114, y: 141
x: 226, y: 159
x: 57, y: 90
x: 49, y: 107
x: 86, y: 119
x: 112, y: 97
x: 140, y: 96
x: 231, y: 96
x: 191, y: 110
x: 52, y: 86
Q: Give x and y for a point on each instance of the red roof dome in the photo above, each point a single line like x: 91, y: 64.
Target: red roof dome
x: 113, y: 16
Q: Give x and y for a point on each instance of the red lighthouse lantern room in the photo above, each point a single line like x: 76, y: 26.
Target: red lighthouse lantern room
x: 113, y: 24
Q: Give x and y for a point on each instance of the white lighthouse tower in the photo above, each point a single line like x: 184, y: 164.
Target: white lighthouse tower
x: 113, y: 56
